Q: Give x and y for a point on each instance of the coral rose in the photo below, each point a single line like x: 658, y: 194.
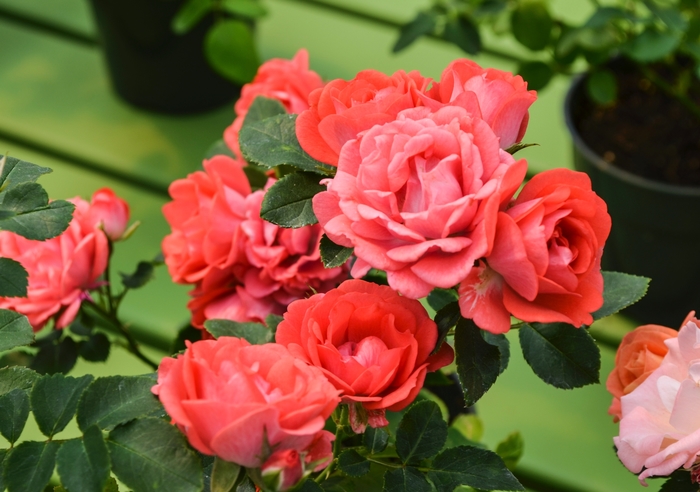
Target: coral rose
x: 63, y: 269
x: 639, y: 354
x: 243, y: 267
x: 660, y: 424
x: 545, y: 262
x: 500, y: 98
x: 108, y: 211
x: 418, y: 197
x: 343, y: 109
x: 228, y: 396
x: 288, y: 81
x: 370, y: 342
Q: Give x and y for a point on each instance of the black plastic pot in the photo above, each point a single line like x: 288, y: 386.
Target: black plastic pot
x: 655, y: 228
x: 152, y: 67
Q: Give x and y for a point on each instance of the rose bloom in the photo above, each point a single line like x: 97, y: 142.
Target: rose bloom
x: 228, y: 396
x: 288, y: 81
x: 342, y: 109
x: 545, y: 262
x: 63, y: 269
x: 639, y: 354
x: 418, y: 197
x: 371, y: 343
x: 499, y: 98
x: 243, y: 267
x: 660, y: 424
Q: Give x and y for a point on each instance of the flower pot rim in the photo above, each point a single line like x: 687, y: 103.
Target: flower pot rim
x: 605, y: 166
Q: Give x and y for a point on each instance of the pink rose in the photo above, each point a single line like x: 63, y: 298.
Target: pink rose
x: 282, y: 470
x: 243, y: 267
x: 108, y: 211
x: 639, y: 354
x: 371, y: 343
x: 227, y: 396
x: 343, y: 109
x: 499, y: 98
x: 545, y: 262
x: 660, y: 425
x: 418, y: 197
x: 61, y: 270
x: 288, y: 81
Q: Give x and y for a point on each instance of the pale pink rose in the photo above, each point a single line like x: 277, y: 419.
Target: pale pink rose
x: 61, y: 270
x: 418, y: 197
x: 660, y: 425
x: 371, y: 343
x: 227, y: 396
x: 545, y: 262
x: 288, y: 81
x: 205, y: 216
x: 343, y: 109
x: 499, y: 98
x: 108, y: 211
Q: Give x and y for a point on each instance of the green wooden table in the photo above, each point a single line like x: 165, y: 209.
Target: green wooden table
x: 57, y: 110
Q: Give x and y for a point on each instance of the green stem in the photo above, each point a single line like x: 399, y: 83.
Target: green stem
x: 670, y: 90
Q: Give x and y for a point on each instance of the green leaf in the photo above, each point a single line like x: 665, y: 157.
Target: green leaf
x: 439, y: 298
x: 15, y: 330
x: 30, y: 465
x: 511, y: 449
x: 224, y: 475
x: 353, y: 463
x: 532, y: 24
x: 422, y: 432
x: 462, y: 32
x: 652, y: 45
x: 113, y: 400
x: 83, y: 464
x: 3, y: 455
x: 152, y: 455
x: 478, y: 362
x: 470, y: 426
x: 55, y: 400
x: 333, y: 255
x: 309, y: 485
x: 407, y: 479
x: 190, y: 14
x: 255, y: 333
x: 250, y: 9
x: 517, y: 147
x: 273, y: 142
x: 679, y: 481
x: 263, y: 108
x: 375, y: 439
x: 472, y: 466
x: 503, y: 345
x: 621, y: 290
x: 25, y: 197
x: 13, y: 279
x: 247, y: 485
x: 256, y: 177
x: 14, y: 410
x: 445, y: 318
x: 601, y: 86
x: 112, y: 485
x: 96, y: 348
x: 288, y: 202
x: 424, y: 23
x: 14, y: 377
x: 537, y: 74
x: 230, y: 48
x: 272, y: 321
x: 604, y: 15
x: 58, y: 356
x: 218, y: 148
x: 561, y: 355
x: 142, y: 275
x: 16, y: 171
x: 672, y: 17
x: 40, y: 224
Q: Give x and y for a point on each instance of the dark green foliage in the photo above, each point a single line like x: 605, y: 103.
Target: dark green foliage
x: 462, y: 32
x: 424, y: 23
x: 353, y: 464
x: 83, y: 463
x: 29, y: 466
x: 375, y: 440
x: 621, y: 290
x: 255, y: 333
x: 230, y: 49
x: 422, y: 432
x: 288, y: 202
x: 14, y: 377
x: 224, y: 475
x: 602, y: 87
x: 445, y: 318
x: 532, y: 25
x: 142, y: 275
x: 13, y: 279
x: 478, y: 362
x: 472, y: 466
x: 15, y: 330
x: 333, y: 255
x: 96, y: 348
x: 406, y: 479
x: 55, y: 400
x: 537, y: 74
x: 55, y: 355
x: 14, y: 410
x: 439, y: 298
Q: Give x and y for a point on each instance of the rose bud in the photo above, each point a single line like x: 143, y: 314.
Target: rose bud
x: 110, y: 212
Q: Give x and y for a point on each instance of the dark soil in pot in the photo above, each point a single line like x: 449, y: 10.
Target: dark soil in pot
x: 647, y: 168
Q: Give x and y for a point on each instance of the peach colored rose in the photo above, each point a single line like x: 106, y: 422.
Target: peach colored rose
x: 342, y: 109
x: 226, y: 395
x: 371, y: 343
x: 660, y: 424
x: 288, y: 81
x: 639, y: 354
x: 418, y: 197
x: 499, y: 98
x: 108, y: 211
x: 545, y: 262
x: 61, y: 270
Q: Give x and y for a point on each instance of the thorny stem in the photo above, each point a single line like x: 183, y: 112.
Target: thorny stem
x: 341, y: 422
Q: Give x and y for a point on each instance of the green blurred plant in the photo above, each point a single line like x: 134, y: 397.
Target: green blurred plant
x: 229, y: 44
x: 662, y: 37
